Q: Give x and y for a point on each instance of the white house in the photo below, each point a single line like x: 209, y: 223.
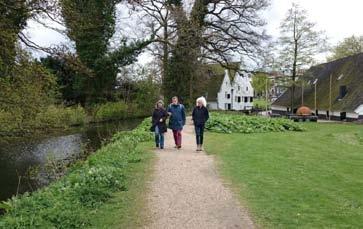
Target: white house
x: 236, y: 94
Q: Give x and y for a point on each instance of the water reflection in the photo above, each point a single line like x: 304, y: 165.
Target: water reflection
x: 16, y: 157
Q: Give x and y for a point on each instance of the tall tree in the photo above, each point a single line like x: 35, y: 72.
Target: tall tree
x: 299, y: 42
x: 348, y: 47
x: 212, y: 31
x: 91, y: 24
x: 14, y: 15
x: 156, y: 16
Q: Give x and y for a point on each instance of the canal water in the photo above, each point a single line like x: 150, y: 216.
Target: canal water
x: 25, y: 156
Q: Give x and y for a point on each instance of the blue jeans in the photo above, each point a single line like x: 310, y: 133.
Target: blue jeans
x: 199, y: 132
x: 159, y: 138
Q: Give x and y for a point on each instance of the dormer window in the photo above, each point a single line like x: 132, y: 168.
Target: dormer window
x: 342, y: 91
x: 246, y: 88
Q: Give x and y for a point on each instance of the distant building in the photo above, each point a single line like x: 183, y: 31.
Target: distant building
x: 279, y: 84
x: 343, y: 100
x: 227, y: 93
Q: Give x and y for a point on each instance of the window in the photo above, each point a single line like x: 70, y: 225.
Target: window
x: 228, y: 96
x: 246, y: 88
x: 342, y: 91
x: 239, y: 99
x: 239, y: 88
x: 246, y: 99
x: 251, y: 99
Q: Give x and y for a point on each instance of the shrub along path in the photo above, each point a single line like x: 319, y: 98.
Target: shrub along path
x: 187, y: 192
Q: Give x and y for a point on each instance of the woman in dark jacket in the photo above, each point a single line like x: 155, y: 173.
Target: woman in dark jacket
x: 200, y: 116
x: 159, y: 124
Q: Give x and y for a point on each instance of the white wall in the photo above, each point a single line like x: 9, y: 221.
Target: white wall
x: 212, y: 105
x: 225, y: 89
x: 240, y: 87
x: 359, y: 110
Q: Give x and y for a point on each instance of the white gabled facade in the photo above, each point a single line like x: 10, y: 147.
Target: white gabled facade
x: 359, y: 110
x: 236, y: 95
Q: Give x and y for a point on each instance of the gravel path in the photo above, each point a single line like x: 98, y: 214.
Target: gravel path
x: 186, y: 191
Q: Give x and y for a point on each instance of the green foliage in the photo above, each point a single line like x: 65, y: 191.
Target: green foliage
x: 110, y: 111
x: 91, y: 24
x: 348, y: 47
x: 261, y: 104
x: 147, y: 93
x: 117, y: 111
x: 69, y: 79
x: 24, y: 92
x: 72, y: 201
x: 140, y: 134
x: 235, y: 123
x: 58, y: 117
x: 14, y: 16
x: 261, y: 83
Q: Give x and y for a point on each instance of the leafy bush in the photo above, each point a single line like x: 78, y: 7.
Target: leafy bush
x: 235, y: 123
x: 116, y: 111
x: 74, y: 199
x: 56, y: 116
x: 110, y: 111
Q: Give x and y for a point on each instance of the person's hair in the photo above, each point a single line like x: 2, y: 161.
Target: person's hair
x: 202, y: 100
x: 160, y: 101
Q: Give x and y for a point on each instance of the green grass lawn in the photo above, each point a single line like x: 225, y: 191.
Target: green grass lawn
x: 311, y: 179
x: 127, y: 208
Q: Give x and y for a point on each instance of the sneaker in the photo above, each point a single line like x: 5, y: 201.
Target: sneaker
x: 179, y: 147
x: 157, y: 145
x: 161, y: 147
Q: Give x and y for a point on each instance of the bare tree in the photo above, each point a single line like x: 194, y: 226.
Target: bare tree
x: 299, y: 42
x: 156, y: 14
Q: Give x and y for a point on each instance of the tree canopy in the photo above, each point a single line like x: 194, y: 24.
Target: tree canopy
x: 348, y: 47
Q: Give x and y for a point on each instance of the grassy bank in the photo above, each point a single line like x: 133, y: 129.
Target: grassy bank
x: 15, y: 123
x: 105, y: 191
x: 310, y: 179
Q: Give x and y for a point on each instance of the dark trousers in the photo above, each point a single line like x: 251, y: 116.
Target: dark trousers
x: 177, y: 137
x: 199, y: 132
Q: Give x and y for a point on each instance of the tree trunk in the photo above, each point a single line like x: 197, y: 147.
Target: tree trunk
x: 165, y: 60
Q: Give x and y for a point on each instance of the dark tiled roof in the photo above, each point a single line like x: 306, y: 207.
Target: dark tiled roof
x: 345, y: 72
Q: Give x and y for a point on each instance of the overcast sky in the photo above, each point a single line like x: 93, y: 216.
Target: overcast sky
x: 339, y: 19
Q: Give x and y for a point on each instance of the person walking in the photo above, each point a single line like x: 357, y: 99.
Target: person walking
x: 177, y: 120
x: 159, y: 123
x: 200, y: 116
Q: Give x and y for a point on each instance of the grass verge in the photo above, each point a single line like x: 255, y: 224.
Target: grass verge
x: 309, y: 179
x: 89, y: 194
x: 126, y: 209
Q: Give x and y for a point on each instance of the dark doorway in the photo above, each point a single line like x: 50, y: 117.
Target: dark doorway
x: 343, y: 116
